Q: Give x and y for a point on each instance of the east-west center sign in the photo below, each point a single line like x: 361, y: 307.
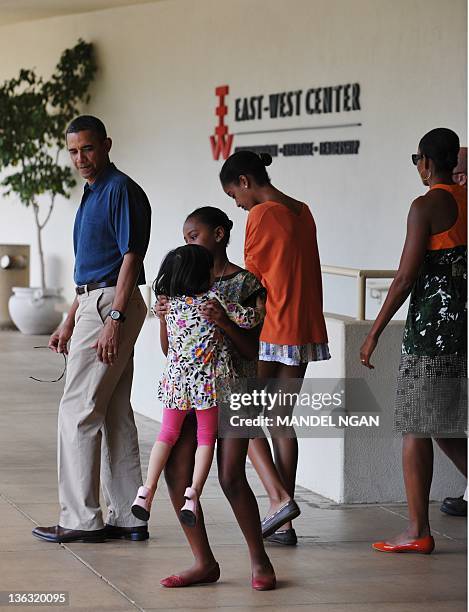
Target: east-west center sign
x: 334, y: 101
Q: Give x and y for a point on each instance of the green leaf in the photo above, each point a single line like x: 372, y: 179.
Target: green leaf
x: 34, y: 114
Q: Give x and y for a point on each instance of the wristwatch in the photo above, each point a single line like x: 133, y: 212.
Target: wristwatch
x: 117, y: 315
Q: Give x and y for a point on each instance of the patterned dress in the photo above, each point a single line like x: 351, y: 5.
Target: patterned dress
x: 200, y: 361
x: 243, y: 288
x: 432, y: 387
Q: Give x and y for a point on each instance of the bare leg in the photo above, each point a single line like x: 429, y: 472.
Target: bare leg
x: 417, y: 462
x: 207, y: 425
x: 456, y: 450
x: 278, y: 478
x: 231, y: 456
x: 178, y: 472
x: 203, y: 462
x: 290, y: 379
x: 261, y: 458
x: 158, y: 458
x: 170, y: 431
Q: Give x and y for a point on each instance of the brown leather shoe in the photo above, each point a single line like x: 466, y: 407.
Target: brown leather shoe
x: 59, y: 534
x: 127, y: 533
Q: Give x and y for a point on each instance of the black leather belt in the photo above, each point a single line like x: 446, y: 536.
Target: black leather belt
x: 92, y: 286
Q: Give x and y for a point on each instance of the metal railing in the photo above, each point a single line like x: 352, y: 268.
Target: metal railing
x: 361, y: 276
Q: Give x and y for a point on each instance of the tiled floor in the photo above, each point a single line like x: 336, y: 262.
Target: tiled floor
x: 332, y: 570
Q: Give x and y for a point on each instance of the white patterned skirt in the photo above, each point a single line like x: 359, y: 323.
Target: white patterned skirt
x: 293, y: 354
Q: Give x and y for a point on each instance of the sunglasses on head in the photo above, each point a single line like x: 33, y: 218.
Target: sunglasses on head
x: 416, y: 157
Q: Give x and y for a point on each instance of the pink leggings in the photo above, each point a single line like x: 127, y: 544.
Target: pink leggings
x: 207, y: 425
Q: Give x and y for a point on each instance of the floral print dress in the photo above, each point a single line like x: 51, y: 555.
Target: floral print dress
x: 199, y: 361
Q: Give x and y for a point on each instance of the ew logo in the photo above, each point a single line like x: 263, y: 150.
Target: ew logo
x: 222, y: 140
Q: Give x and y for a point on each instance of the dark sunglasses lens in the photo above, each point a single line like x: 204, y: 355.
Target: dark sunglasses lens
x: 415, y: 159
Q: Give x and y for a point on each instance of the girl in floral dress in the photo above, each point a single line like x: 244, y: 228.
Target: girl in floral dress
x: 210, y: 227
x: 198, y: 369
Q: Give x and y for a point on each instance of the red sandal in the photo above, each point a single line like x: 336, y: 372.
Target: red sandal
x: 264, y: 584
x: 174, y: 581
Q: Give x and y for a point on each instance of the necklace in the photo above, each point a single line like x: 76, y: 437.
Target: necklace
x: 222, y: 275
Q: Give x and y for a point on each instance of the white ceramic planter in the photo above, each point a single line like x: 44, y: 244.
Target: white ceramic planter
x: 34, y: 310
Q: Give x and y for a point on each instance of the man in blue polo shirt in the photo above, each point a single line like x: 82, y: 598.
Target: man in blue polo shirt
x: 97, y: 434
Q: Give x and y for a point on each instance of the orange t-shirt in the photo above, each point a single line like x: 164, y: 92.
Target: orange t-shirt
x: 281, y: 250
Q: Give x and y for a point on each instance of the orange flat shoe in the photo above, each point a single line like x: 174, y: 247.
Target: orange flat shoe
x: 421, y: 545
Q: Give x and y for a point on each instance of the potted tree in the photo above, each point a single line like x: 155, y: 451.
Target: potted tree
x: 34, y: 113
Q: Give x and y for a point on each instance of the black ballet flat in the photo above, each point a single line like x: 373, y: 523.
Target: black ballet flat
x: 286, y: 537
x: 287, y: 512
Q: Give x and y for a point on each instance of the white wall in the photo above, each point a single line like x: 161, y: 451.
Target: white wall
x: 321, y: 459
x: 159, y: 65
x: 357, y: 465
x: 373, y: 457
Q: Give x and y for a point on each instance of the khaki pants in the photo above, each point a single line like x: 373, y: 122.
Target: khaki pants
x: 96, y: 429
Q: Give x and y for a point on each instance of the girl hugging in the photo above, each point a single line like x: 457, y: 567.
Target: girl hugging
x: 198, y: 368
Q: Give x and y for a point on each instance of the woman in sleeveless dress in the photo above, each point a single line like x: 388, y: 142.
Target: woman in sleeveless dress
x: 431, y: 390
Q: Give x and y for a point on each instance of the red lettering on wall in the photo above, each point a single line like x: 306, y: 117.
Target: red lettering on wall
x: 222, y: 140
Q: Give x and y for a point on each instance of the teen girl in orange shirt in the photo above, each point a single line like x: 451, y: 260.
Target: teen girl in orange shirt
x: 281, y: 250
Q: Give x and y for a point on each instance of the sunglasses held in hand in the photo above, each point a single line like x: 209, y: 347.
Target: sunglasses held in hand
x: 56, y: 379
